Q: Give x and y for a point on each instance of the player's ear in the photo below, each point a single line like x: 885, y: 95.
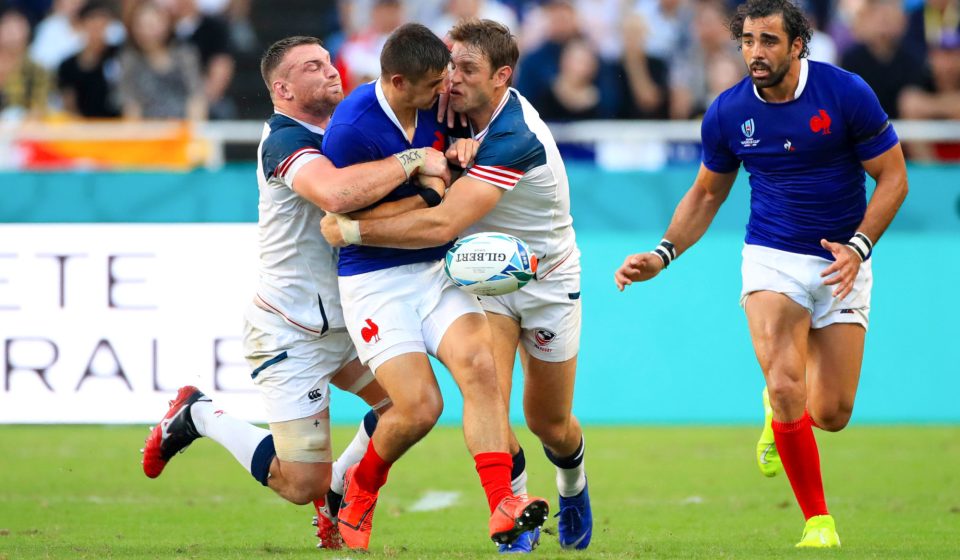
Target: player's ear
x: 502, y: 76
x: 398, y: 81
x: 280, y: 89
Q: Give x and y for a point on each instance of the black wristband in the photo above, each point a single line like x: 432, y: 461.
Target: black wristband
x: 430, y: 196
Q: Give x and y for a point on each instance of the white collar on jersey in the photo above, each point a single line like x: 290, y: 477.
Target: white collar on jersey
x: 382, y: 99
x: 311, y: 127
x: 801, y: 83
x: 503, y: 102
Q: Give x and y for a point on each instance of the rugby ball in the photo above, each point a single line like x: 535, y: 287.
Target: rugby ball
x: 490, y: 264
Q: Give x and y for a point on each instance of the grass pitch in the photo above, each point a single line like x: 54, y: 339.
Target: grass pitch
x: 658, y: 492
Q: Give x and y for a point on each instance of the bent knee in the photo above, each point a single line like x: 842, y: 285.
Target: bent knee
x: 303, y: 496
x: 785, y: 391
x: 833, y: 419
x: 302, y: 490
x: 551, y: 432
x: 421, y: 414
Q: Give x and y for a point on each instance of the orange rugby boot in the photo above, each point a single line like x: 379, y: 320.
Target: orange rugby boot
x: 515, y: 515
x: 355, y: 518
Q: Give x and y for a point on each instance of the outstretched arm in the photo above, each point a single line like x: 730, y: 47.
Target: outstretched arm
x: 690, y: 220
x: 466, y: 201
x: 890, y: 171
x: 357, y: 186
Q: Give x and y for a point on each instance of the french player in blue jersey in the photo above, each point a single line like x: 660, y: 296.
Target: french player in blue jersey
x: 805, y: 132
x: 517, y: 184
x: 399, y: 306
x: 294, y: 335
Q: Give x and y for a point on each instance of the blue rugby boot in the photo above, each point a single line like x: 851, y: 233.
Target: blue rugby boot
x: 524, y: 544
x: 576, y: 521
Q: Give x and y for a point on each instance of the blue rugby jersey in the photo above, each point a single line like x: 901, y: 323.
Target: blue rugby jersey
x: 364, y: 128
x: 803, y: 156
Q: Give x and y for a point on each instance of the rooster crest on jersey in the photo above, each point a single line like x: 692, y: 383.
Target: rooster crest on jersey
x: 490, y: 264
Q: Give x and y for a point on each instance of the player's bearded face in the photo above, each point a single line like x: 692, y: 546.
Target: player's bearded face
x: 766, y: 50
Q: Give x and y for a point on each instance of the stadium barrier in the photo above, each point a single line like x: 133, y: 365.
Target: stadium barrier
x: 174, y: 145
x: 115, y: 288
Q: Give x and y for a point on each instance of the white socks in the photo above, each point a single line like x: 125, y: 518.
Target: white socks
x: 238, y: 437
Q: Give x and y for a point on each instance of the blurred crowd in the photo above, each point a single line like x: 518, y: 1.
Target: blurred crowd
x: 581, y: 59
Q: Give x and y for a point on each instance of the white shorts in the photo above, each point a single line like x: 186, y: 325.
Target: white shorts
x: 798, y: 277
x: 548, y: 310
x: 292, y: 368
x: 403, y: 309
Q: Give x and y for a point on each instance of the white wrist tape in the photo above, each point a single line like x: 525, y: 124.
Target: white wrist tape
x: 349, y: 230
x: 861, y: 245
x: 411, y: 160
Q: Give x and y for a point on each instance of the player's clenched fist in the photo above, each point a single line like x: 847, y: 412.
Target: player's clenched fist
x: 435, y: 165
x: 330, y: 227
x: 637, y: 268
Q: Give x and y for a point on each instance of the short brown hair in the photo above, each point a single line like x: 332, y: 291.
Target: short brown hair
x: 492, y: 38
x: 275, y: 53
x: 411, y: 51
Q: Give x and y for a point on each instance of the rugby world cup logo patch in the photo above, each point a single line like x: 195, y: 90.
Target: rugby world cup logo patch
x: 748, y: 128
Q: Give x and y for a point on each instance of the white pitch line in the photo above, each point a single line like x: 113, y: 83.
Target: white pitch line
x: 433, y: 500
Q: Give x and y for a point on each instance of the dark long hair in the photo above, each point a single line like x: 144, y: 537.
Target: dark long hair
x: 794, y: 22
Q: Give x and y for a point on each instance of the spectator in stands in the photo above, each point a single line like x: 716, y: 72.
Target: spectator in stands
x: 210, y: 35
x: 159, y: 79
x: 699, y: 74
x: 878, y: 58
x: 646, y: 78
x: 822, y: 46
x: 24, y: 84
x: 929, y: 23
x: 58, y: 35
x: 602, y: 22
x: 938, y: 99
x: 242, y: 34
x: 539, y: 67
x: 33, y: 10
x: 458, y: 10
x: 574, y: 93
x: 668, y: 27
x: 87, y: 80
x: 359, y: 58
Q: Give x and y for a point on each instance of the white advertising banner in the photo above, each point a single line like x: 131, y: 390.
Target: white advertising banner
x: 102, y: 323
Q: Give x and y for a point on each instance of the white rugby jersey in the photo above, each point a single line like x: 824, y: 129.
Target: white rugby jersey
x: 518, y: 154
x: 298, y: 268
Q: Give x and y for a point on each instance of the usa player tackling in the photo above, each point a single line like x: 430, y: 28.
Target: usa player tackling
x: 517, y: 185
x: 806, y: 132
x: 295, y: 339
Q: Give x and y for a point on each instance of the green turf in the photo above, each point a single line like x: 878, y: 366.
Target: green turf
x: 658, y: 492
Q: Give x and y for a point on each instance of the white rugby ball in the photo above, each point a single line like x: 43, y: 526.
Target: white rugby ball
x: 490, y: 264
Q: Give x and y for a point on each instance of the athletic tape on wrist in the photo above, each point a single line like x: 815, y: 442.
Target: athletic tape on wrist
x: 349, y: 230
x: 411, y: 160
x: 430, y: 196
x: 861, y: 245
x: 666, y: 251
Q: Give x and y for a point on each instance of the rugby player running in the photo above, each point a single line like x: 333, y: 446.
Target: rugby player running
x: 806, y: 132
